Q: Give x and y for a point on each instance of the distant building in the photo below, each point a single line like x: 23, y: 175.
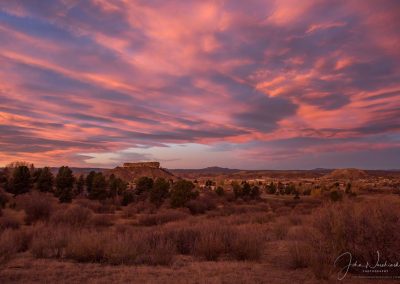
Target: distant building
x: 155, y: 165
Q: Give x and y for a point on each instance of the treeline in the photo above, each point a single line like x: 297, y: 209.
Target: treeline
x: 20, y: 178
x: 282, y: 189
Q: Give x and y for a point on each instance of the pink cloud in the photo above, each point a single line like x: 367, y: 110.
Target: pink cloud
x: 104, y: 76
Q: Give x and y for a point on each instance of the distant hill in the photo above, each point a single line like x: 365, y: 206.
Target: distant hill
x: 346, y: 174
x: 227, y: 173
x: 208, y: 170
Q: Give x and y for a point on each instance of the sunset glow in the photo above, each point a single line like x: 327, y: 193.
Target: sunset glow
x: 240, y: 84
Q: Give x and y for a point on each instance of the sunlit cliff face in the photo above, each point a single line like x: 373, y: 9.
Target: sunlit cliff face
x: 245, y: 84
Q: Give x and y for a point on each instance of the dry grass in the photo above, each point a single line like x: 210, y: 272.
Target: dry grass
x: 8, y: 222
x: 299, y: 255
x: 97, y: 206
x: 280, y: 229
x: 102, y: 220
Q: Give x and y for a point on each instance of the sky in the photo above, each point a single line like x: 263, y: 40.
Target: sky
x: 241, y: 84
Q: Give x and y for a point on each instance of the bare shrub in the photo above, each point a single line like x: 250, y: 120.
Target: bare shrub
x: 86, y: 246
x: 196, y: 206
x: 49, y: 242
x: 184, y: 238
x: 12, y: 242
x: 247, y: 243
x: 159, y: 250
x: 161, y: 218
x: 359, y: 228
x: 75, y: 216
x: 202, y: 204
x: 37, y: 206
x: 4, y: 198
x: 213, y: 241
x: 8, y: 248
x: 127, y: 248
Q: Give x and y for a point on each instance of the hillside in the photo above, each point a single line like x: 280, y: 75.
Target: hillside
x: 347, y: 174
x: 129, y: 174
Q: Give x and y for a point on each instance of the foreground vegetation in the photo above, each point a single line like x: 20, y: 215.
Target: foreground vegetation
x: 173, y: 225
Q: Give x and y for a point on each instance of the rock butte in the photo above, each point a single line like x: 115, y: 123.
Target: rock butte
x: 155, y: 165
x: 132, y: 171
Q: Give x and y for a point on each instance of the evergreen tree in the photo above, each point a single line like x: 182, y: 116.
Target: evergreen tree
x: 182, y: 192
x: 89, y: 181
x: 255, y: 192
x: 144, y: 184
x: 159, y: 191
x: 237, y: 189
x: 271, y: 188
x: 128, y: 197
x: 220, y: 191
x: 112, y: 186
x: 3, y: 179
x: 44, y: 180
x: 80, y: 185
x: 246, y: 189
x: 21, y: 180
x: 99, y: 187
x: 64, y: 184
x: 36, y: 175
x: 116, y: 186
x: 290, y: 188
x: 348, y: 188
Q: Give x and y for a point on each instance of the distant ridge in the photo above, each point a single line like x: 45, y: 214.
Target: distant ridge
x: 79, y: 171
x: 211, y: 170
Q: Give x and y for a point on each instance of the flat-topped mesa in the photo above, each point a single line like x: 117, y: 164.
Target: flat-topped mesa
x: 154, y: 165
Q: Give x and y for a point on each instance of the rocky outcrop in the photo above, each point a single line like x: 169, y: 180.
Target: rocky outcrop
x: 154, y: 165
